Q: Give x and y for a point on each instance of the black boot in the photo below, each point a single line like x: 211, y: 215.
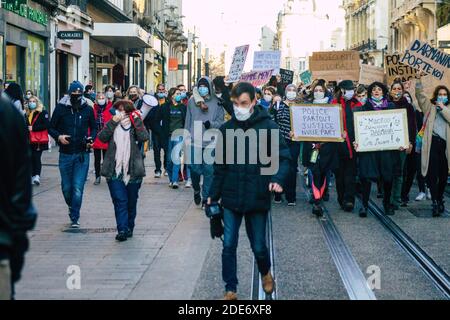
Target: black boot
x: 317, y: 210
x: 349, y: 206
x: 441, y: 206
x: 388, y: 210
x: 363, y: 212
x: 435, y: 207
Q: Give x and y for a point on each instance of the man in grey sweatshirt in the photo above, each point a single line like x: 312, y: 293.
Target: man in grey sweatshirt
x: 204, y: 112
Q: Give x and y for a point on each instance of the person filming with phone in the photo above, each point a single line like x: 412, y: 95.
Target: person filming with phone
x: 74, y: 128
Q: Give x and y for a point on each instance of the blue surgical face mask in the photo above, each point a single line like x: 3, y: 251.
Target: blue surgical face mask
x: 203, y: 91
x: 377, y: 100
x: 161, y: 95
x: 442, y: 99
x: 32, y: 105
x: 183, y: 95
x: 178, y: 98
x: 363, y: 101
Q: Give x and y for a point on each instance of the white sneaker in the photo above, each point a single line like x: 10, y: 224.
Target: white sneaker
x: 158, y: 175
x: 37, y: 180
x: 32, y: 180
x: 422, y: 196
x: 428, y: 194
x: 175, y: 185
x: 188, y: 183
x: 165, y: 173
x: 170, y: 184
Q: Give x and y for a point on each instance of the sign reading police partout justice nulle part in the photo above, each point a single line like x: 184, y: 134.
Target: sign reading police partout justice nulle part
x: 317, y: 122
x: 381, y: 130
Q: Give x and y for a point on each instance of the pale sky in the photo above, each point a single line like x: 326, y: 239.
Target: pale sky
x: 225, y: 24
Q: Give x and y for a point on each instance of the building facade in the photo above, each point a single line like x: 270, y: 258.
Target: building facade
x: 413, y: 19
x: 367, y: 29
x: 267, y: 41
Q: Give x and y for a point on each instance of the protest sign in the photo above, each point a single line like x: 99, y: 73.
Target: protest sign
x: 306, y: 77
x: 381, y: 130
x: 423, y: 57
x: 370, y: 74
x: 317, y: 122
x: 257, y: 78
x: 266, y: 60
x: 239, y: 58
x: 287, y: 76
x: 396, y: 70
x: 335, y: 65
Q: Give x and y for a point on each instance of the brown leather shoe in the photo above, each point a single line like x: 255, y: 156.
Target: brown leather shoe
x: 268, y: 283
x: 230, y: 296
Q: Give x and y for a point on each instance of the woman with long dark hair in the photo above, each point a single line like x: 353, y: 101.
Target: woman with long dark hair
x: 377, y: 165
x: 435, y: 143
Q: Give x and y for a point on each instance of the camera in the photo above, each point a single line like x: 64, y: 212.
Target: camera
x: 88, y: 141
x: 214, y: 210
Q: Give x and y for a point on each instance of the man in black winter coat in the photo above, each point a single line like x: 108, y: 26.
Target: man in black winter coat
x: 244, y: 178
x: 16, y: 211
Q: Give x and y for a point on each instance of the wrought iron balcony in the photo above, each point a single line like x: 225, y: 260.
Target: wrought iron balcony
x: 368, y: 45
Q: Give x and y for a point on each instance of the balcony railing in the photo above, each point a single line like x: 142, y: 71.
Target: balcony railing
x: 365, y: 46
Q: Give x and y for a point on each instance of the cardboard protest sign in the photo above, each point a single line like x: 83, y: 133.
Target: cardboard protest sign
x: 239, y: 58
x: 381, y: 130
x: 370, y: 74
x: 267, y: 60
x: 425, y: 58
x: 257, y: 78
x: 306, y: 77
x: 287, y: 76
x: 396, y: 70
x: 317, y: 122
x: 335, y: 65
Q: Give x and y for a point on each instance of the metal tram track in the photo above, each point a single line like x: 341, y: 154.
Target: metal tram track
x: 350, y: 272
x: 432, y: 270
x: 257, y: 292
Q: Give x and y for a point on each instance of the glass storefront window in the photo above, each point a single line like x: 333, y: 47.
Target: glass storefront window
x: 12, y: 65
x: 35, y: 66
x: 2, y: 63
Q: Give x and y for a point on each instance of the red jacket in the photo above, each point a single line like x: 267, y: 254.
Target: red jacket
x: 107, y: 116
x: 347, y: 116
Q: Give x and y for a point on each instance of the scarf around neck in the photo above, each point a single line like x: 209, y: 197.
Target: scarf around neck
x: 123, y: 149
x: 382, y: 105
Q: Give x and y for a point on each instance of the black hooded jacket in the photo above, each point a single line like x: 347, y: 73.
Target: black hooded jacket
x: 242, y: 187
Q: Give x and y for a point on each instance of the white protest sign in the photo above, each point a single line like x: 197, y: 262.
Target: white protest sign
x: 424, y: 57
x: 381, y: 130
x: 239, y: 58
x: 317, y: 122
x: 267, y: 60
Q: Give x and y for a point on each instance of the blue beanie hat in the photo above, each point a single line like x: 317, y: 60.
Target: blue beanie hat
x: 76, y: 86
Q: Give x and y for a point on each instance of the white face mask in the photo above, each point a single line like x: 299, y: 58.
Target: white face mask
x: 291, y: 95
x: 268, y: 98
x: 242, y: 114
x: 101, y: 102
x: 110, y: 95
x: 349, y: 94
x: 319, y: 95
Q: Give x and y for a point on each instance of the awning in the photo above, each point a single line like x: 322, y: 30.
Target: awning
x: 121, y: 35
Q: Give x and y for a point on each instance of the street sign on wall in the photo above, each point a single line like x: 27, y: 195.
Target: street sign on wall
x: 70, y: 35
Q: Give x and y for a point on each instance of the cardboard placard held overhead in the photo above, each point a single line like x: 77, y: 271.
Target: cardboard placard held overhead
x: 317, y: 122
x: 335, y: 65
x: 397, y: 70
x: 257, y: 78
x: 381, y: 130
x: 239, y: 58
x: 370, y: 74
x: 287, y: 76
x: 423, y: 57
x: 267, y: 60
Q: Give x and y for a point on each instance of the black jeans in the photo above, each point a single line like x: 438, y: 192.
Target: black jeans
x: 291, y: 183
x: 437, y: 169
x: 366, y: 187
x: 345, y: 180
x: 36, y: 164
x: 98, y: 153
x: 409, y: 173
x: 159, y: 144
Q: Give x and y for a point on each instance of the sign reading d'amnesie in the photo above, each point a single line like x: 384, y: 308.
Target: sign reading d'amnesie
x: 317, y: 122
x: 424, y: 57
x: 239, y: 58
x: 381, y: 130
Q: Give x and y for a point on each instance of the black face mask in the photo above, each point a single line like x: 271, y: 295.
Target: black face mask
x: 133, y: 97
x: 75, y: 99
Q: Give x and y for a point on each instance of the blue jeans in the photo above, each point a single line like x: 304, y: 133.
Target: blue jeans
x: 255, y: 225
x: 74, y: 170
x: 174, y: 160
x: 201, y: 169
x: 125, y: 199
